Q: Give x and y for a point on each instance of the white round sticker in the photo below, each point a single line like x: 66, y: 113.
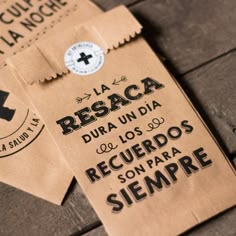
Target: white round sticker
x: 84, y: 58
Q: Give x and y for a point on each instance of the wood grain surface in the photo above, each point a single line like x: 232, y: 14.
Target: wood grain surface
x: 197, y: 40
x: 223, y: 224
x: 212, y: 89
x: 188, y: 33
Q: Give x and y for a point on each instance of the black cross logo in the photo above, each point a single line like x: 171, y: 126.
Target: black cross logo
x: 5, y: 113
x: 85, y: 58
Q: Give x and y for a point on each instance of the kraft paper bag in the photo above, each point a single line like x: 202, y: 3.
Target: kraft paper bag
x: 139, y: 149
x: 29, y: 158
x: 23, y: 22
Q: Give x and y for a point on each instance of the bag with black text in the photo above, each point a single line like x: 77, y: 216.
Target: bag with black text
x: 140, y: 151
x: 29, y: 158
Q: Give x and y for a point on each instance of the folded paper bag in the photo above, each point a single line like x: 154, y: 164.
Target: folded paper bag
x: 29, y: 158
x: 24, y: 22
x: 48, y: 55
x: 142, y: 154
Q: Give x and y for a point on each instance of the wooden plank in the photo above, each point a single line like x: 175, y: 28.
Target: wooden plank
x: 106, y: 5
x: 188, y: 33
x: 212, y: 89
x: 100, y: 231
x: 24, y: 214
x: 223, y: 224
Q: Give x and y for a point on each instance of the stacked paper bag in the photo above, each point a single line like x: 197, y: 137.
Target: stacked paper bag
x: 29, y: 158
x: 142, y: 154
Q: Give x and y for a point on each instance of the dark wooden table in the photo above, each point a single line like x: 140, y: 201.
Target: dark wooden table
x: 197, y: 40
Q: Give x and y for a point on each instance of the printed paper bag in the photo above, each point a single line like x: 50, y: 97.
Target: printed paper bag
x: 143, y: 156
x: 23, y: 22
x: 29, y: 158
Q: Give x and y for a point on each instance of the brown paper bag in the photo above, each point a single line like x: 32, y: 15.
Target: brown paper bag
x: 29, y: 158
x: 142, y: 154
x: 25, y: 21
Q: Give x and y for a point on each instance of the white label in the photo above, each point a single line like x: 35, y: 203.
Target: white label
x: 84, y: 58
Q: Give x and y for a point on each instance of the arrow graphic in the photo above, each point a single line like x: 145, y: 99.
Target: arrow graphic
x: 117, y: 82
x: 79, y: 99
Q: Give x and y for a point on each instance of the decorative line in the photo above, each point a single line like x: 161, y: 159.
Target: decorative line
x: 156, y: 123
x: 79, y: 99
x: 117, y: 82
x: 106, y: 148
x: 25, y: 145
x: 18, y: 128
